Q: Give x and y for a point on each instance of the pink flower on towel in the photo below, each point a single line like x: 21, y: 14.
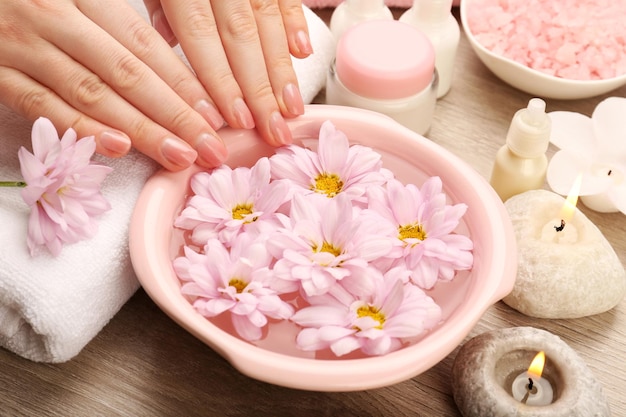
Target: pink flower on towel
x: 63, y: 187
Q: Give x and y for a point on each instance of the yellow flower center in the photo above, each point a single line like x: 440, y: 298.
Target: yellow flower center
x: 239, y: 284
x: 240, y: 211
x: 329, y: 248
x: 412, y: 231
x: 373, y: 312
x: 329, y: 184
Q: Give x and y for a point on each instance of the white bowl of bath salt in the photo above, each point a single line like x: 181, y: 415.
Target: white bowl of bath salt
x: 565, y: 49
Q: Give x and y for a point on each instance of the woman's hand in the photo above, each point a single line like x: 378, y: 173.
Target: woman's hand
x: 97, y: 66
x: 240, y: 51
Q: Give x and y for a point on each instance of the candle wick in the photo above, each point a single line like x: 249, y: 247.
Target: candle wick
x: 525, y: 397
x: 530, y: 389
x: 561, y: 227
x: 610, y: 172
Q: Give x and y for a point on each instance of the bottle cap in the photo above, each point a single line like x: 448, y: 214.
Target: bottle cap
x: 385, y: 59
x: 529, y: 133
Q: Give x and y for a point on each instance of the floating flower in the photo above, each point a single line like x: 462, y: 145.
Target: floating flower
x: 325, y: 243
x: 228, y: 201
x: 331, y: 235
x: 376, y: 324
x: 594, y: 147
x: 63, y: 187
x: 423, y: 225
x: 335, y: 168
x: 220, y: 280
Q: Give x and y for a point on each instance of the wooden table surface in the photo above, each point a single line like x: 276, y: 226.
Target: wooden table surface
x: 143, y: 364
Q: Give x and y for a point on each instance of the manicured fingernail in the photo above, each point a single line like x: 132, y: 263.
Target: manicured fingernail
x: 279, y: 129
x: 211, y: 150
x: 115, y: 142
x: 243, y: 115
x: 178, y: 152
x: 293, y: 100
x: 303, y: 42
x: 210, y: 114
x: 159, y: 22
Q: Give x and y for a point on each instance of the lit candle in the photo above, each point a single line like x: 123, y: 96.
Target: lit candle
x: 561, y: 230
x: 565, y: 269
x: 486, y: 366
x: 529, y: 388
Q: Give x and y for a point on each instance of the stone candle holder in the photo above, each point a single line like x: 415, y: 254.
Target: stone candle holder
x: 486, y: 366
x: 561, y: 274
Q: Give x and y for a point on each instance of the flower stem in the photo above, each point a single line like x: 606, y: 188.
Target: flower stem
x: 12, y: 184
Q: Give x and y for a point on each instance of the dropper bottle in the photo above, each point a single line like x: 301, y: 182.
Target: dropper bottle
x: 435, y: 20
x: 521, y: 164
x: 351, y: 12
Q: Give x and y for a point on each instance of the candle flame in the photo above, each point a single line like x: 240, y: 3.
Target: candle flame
x: 569, y: 208
x: 536, y: 366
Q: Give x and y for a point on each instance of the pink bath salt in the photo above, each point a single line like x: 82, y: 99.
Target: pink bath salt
x: 566, y: 54
x: 574, y: 39
x: 501, y: 19
x: 620, y: 67
x: 576, y: 72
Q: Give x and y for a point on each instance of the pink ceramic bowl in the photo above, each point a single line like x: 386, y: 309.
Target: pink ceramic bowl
x: 154, y: 243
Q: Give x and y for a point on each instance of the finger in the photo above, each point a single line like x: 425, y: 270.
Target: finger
x: 159, y: 21
x: 239, y: 33
x: 296, y: 28
x: 134, y: 83
x: 277, y: 59
x: 129, y: 29
x: 32, y: 100
x: 80, y: 89
x: 194, y: 24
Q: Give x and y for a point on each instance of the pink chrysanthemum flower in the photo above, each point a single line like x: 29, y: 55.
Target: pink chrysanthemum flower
x: 325, y: 242
x: 336, y: 167
x: 423, y: 224
x: 376, y: 325
x: 234, y: 280
x: 63, y: 187
x: 229, y: 201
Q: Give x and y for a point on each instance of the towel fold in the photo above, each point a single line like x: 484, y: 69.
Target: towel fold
x: 50, y: 308
x: 312, y: 70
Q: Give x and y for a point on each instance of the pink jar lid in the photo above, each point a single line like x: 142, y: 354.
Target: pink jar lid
x: 385, y: 59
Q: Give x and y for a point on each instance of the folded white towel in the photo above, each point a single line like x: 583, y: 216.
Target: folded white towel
x: 312, y: 71
x: 50, y: 308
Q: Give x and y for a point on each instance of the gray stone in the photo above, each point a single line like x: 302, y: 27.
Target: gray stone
x: 485, y: 366
x: 568, y: 274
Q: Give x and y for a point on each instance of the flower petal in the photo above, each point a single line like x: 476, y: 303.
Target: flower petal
x: 245, y: 328
x: 609, y: 125
x: 564, y: 168
x: 318, y: 316
x: 572, y: 131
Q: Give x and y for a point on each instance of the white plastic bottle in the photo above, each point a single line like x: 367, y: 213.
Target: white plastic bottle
x: 434, y: 18
x: 351, y: 12
x: 521, y: 163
